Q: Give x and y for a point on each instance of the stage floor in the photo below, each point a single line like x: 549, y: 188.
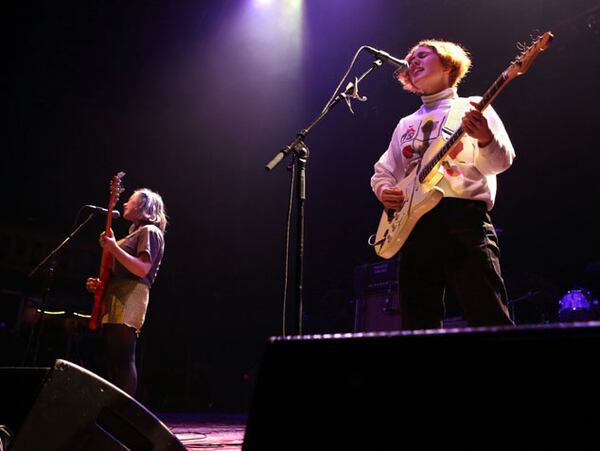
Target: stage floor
x: 207, y: 431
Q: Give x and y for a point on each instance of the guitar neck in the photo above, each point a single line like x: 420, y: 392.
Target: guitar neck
x: 487, y: 98
x: 106, y: 260
x: 109, y: 220
x: 493, y: 91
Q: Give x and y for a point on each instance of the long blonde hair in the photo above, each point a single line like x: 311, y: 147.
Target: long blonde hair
x: 453, y: 56
x: 153, y: 208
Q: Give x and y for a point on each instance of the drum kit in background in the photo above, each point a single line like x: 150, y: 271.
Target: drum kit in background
x: 582, y: 304
x: 535, y: 299
x: 578, y: 305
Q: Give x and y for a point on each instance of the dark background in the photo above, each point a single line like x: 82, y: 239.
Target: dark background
x: 192, y: 99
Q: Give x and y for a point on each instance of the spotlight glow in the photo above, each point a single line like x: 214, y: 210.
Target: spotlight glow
x: 261, y: 3
x: 271, y: 31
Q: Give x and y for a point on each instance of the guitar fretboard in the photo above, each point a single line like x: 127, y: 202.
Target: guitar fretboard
x: 458, y: 133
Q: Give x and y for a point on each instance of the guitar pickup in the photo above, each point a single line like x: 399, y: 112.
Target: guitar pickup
x: 390, y: 214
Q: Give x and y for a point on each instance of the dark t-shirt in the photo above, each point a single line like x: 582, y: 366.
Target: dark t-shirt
x: 147, y: 239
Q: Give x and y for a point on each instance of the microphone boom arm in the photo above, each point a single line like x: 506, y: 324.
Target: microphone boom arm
x: 349, y: 94
x: 34, y: 334
x: 298, y: 186
x: 60, y: 246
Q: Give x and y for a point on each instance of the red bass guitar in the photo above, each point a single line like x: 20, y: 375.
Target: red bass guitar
x: 99, y: 307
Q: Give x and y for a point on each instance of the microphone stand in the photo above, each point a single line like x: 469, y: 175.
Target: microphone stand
x: 34, y: 334
x: 300, y: 153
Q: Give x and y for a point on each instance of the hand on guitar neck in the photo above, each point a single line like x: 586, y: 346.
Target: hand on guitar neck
x: 108, y: 242
x: 475, y: 124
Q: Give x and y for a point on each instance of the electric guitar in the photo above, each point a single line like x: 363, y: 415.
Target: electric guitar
x: 419, y: 187
x: 98, y: 309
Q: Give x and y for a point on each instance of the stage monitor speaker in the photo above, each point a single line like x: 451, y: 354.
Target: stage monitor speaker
x: 463, y: 388
x: 77, y: 410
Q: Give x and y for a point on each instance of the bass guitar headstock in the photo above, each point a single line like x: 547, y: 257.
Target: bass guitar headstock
x: 116, y: 188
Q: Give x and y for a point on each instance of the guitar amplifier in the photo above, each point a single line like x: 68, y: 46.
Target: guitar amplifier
x: 377, y: 302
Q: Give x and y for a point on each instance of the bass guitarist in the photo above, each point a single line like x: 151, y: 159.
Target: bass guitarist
x: 137, y: 258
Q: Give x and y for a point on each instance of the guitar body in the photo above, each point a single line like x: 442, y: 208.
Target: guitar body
x: 99, y: 307
x: 396, y: 225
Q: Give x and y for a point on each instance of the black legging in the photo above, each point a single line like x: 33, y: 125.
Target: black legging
x: 119, y: 346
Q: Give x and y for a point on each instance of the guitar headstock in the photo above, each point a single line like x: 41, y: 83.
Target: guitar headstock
x: 526, y: 58
x: 116, y: 188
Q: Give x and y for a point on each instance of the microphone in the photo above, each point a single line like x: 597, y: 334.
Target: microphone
x: 103, y: 211
x: 402, y: 65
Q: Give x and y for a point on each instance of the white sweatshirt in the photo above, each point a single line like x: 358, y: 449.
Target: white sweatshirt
x: 471, y: 170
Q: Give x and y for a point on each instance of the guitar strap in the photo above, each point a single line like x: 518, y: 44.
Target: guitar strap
x: 455, y: 115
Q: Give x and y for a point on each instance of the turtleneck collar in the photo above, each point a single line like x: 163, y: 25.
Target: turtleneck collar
x: 430, y: 100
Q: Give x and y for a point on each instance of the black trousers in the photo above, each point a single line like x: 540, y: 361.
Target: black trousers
x: 454, y: 245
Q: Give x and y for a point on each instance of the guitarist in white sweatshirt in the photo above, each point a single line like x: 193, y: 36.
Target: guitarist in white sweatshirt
x: 453, y: 245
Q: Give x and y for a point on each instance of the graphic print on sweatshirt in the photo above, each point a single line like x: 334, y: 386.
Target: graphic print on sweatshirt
x: 420, y: 138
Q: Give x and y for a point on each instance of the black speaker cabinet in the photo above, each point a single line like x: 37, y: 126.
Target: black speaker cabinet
x: 74, y: 409
x: 456, y: 388
x: 377, y: 302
